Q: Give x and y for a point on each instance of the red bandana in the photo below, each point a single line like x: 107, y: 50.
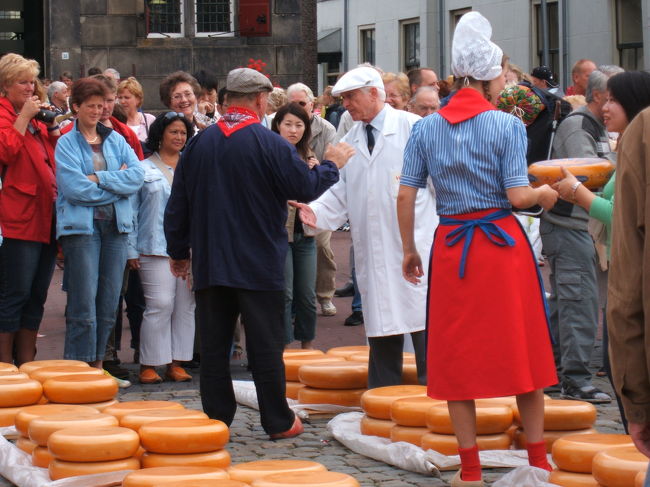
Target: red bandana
x: 465, y: 104
x: 236, y: 118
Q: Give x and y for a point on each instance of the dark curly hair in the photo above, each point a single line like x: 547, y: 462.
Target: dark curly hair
x: 168, y: 84
x: 157, y: 128
x: 295, y: 109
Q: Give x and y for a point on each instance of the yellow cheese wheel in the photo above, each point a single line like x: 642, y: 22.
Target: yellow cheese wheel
x: 184, y: 436
x: 345, y: 352
x: 124, y: 408
x: 25, y: 444
x: 93, y: 444
x: 448, y: 445
x: 293, y: 388
x: 250, y: 471
x: 412, y: 411
x: 60, y: 469
x: 43, y: 373
x: 80, y: 389
x: 29, y: 367
x: 564, y: 415
x: 550, y: 437
x: 409, y: 434
x: 42, y: 427
x: 639, y: 480
x: 206, y: 483
x: 12, y: 375
x: 307, y: 479
x: 592, y: 172
x: 8, y: 415
x: 408, y: 358
x: 340, y: 397
x: 5, y: 367
x: 292, y: 364
x: 376, y: 402
x: 218, y: 459
x: 572, y: 479
x: 153, y: 477
x: 26, y: 414
x: 512, y: 431
x: 618, y: 467
x: 41, y: 457
x: 23, y: 392
x: 575, y: 453
x: 335, y: 375
x: 490, y: 418
x: 137, y: 419
x: 410, y: 374
x: 376, y: 427
x: 297, y: 352
x: 100, y: 406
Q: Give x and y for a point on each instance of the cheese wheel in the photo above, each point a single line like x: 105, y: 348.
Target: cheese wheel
x: 307, y: 479
x: 448, y: 444
x: 639, y: 480
x: 376, y: 402
x: 293, y: 388
x: 42, y: 427
x: 29, y: 367
x: 618, y: 467
x: 250, y: 471
x: 575, y: 453
x: 409, y: 434
x: 207, y: 483
x: 410, y: 374
x: 125, y: 408
x: 292, y: 364
x: 184, y: 436
x: 60, y: 469
x: 218, y: 459
x: 100, y: 406
x: 490, y: 418
x: 572, y: 479
x: 345, y: 352
x: 376, y: 427
x: 335, y: 375
x: 550, y: 437
x: 43, y: 373
x: 80, y: 389
x: 412, y: 411
x: 22, y: 392
x: 41, y: 457
x: 300, y: 352
x: 93, y: 444
x: 340, y: 397
x: 26, y: 414
x: 25, y: 444
x: 12, y: 375
x: 407, y: 357
x: 5, y: 367
x: 8, y: 415
x: 590, y: 171
x: 153, y: 477
x: 137, y: 419
x: 564, y: 415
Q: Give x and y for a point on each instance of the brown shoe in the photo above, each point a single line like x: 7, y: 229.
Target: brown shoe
x: 295, y: 430
x: 457, y: 481
x: 177, y: 373
x: 149, y: 376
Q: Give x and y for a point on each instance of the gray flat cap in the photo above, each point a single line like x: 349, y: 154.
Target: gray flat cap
x: 246, y: 80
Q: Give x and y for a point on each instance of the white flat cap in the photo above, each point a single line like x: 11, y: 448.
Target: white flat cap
x: 356, y: 78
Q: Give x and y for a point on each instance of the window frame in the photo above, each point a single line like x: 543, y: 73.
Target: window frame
x: 230, y: 33
x: 635, y: 47
x: 362, y: 45
x: 554, y: 52
x: 165, y: 35
x: 404, y: 25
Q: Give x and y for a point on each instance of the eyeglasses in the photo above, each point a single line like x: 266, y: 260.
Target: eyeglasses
x: 302, y: 103
x: 179, y: 96
x: 170, y: 115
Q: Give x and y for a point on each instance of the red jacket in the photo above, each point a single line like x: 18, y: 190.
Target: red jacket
x: 28, y: 179
x: 123, y: 130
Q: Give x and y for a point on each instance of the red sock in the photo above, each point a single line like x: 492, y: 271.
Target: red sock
x: 470, y: 464
x: 537, y: 455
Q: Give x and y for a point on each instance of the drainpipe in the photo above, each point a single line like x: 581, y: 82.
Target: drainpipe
x: 544, y: 32
x: 441, y: 38
x: 565, y: 43
x: 345, y: 35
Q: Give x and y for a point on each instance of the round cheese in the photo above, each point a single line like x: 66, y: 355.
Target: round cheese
x: 43, y: 373
x: 125, y: 408
x: 340, y: 397
x: 12, y: 375
x: 448, y: 444
x: 564, y: 415
x: 218, y: 459
x: 409, y: 434
x: 292, y: 364
x: 25, y: 444
x: 592, y: 172
x: 137, y: 419
x: 184, y: 436
x: 376, y: 402
x: 80, y: 389
x: 8, y: 415
x: 376, y: 427
x: 300, y: 352
x: 100, y: 406
x: 5, y: 367
x: 412, y: 411
x: 41, y: 457
x: 345, y: 352
x: 181, y: 476
x: 550, y: 437
x: 307, y: 479
x: 575, y: 453
x: 639, y: 480
x: 410, y: 374
x: 60, y: 469
x: 490, y: 418
x: 26, y: 414
x: 250, y: 471
x: 93, y: 444
x: 206, y: 483
x: 293, y: 388
x: 42, y: 427
x: 572, y: 479
x: 335, y: 375
x: 618, y: 467
x: 22, y: 392
x: 362, y: 357
x: 29, y: 367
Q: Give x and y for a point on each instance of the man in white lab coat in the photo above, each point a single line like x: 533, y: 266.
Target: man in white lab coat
x: 366, y: 194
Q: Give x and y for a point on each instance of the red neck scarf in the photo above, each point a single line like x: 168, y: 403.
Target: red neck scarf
x: 465, y: 104
x: 236, y: 118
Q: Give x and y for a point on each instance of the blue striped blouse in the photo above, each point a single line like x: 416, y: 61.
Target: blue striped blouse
x: 471, y: 163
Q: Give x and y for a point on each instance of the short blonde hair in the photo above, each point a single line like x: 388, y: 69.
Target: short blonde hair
x: 277, y: 98
x: 401, y: 82
x: 134, y: 87
x: 13, y: 66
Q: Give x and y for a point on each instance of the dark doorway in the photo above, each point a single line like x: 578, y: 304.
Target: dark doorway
x: 21, y: 29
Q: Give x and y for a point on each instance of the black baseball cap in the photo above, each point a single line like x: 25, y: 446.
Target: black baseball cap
x: 543, y: 72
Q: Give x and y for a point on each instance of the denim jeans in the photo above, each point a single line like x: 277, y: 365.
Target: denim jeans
x: 300, y: 289
x: 94, y: 267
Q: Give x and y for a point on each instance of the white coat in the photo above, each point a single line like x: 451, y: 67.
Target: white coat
x: 366, y: 194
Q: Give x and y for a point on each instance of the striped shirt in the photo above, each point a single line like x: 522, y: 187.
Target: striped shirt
x: 471, y: 163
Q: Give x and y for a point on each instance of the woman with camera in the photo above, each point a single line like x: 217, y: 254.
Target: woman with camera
x: 27, y: 169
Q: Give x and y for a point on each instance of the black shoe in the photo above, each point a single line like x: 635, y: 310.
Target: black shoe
x: 589, y: 393
x: 355, y: 319
x: 113, y: 367
x: 345, y: 291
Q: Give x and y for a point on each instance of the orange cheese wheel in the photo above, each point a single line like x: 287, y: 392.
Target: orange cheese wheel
x: 250, y: 471
x: 448, y: 444
x: 124, y: 408
x: 410, y: 374
x: 181, y: 476
x: 575, y: 453
x: 42, y: 427
x: 43, y: 373
x: 618, y: 467
x: 5, y: 367
x: 26, y: 414
x: 25, y: 444
x: 137, y: 419
x: 93, y: 444
x: 335, y: 375
x: 592, y: 172
x: 293, y: 388
x: 412, y: 411
x: 12, y: 375
x: 376, y: 427
x: 23, y: 392
x: 572, y: 479
x: 376, y: 402
x: 409, y: 434
x: 297, y: 352
x: 490, y: 418
x: 345, y: 352
x: 207, y: 483
x: 184, y: 436
x: 29, y: 367
x: 8, y: 415
x: 100, y: 406
x: 60, y: 469
x: 639, y: 480
x: 564, y: 415
x: 550, y: 437
x: 307, y: 479
x: 80, y: 389
x: 292, y: 364
x: 41, y: 457
x: 218, y: 459
x: 340, y: 397
x: 363, y: 357
x: 512, y: 431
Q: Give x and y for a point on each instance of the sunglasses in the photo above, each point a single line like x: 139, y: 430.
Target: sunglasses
x: 302, y: 103
x: 170, y: 115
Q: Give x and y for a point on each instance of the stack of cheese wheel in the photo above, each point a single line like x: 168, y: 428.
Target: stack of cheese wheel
x: 618, y: 467
x: 561, y: 418
x: 306, y: 479
x: 10, y: 405
x: 293, y: 360
x: 348, y: 351
x: 639, y: 480
x: 293, y: 386
x: 252, y: 471
x: 492, y: 422
x: 409, y: 368
x: 122, y: 409
x: 29, y: 367
x: 410, y: 417
x: 574, y: 455
x: 340, y: 382
x: 179, y: 476
x: 80, y: 389
x: 376, y: 404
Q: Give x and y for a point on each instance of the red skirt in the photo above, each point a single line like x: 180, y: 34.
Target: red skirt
x: 488, y: 332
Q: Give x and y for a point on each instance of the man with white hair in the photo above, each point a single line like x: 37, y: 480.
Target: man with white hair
x: 57, y: 93
x: 366, y: 194
x: 425, y: 101
x: 113, y: 74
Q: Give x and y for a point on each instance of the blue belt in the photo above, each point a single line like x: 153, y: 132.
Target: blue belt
x: 465, y: 231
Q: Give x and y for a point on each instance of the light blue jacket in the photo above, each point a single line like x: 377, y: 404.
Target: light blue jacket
x: 78, y: 195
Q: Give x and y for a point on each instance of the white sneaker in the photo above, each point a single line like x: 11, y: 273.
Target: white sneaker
x: 327, y: 308
x: 121, y: 383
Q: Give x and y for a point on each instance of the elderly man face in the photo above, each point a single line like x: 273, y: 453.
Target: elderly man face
x: 581, y: 78
x: 425, y: 102
x: 363, y: 104
x: 429, y: 78
x: 303, y: 100
x: 59, y: 97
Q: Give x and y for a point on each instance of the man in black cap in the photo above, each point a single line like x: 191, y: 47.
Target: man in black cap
x: 543, y: 78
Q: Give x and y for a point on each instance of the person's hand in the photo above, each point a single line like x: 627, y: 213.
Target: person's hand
x: 640, y: 434
x: 93, y: 178
x: 134, y: 264
x: 312, y: 161
x: 412, y: 267
x: 180, y: 268
x: 547, y: 197
x: 565, y: 185
x: 30, y: 108
x: 306, y: 214
x: 339, y: 153
x: 205, y: 107
x: 123, y: 167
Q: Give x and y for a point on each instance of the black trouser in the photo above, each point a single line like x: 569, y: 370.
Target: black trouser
x: 386, y: 357
x: 262, y: 314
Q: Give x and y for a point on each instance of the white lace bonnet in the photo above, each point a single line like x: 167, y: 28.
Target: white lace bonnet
x: 473, y: 54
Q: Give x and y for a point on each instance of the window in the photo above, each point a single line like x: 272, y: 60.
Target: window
x: 411, y: 44
x: 213, y: 17
x: 367, y: 44
x: 629, y: 34
x: 9, y: 14
x: 553, y: 33
x: 164, y: 18
x: 455, y: 16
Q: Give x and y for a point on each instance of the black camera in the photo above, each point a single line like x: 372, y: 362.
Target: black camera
x: 46, y: 116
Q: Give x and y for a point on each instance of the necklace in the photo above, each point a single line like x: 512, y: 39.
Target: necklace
x: 89, y: 140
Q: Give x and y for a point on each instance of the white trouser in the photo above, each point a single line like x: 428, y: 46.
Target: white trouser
x: 531, y: 226
x: 168, y: 323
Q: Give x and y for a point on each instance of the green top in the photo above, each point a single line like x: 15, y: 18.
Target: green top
x: 602, y: 208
